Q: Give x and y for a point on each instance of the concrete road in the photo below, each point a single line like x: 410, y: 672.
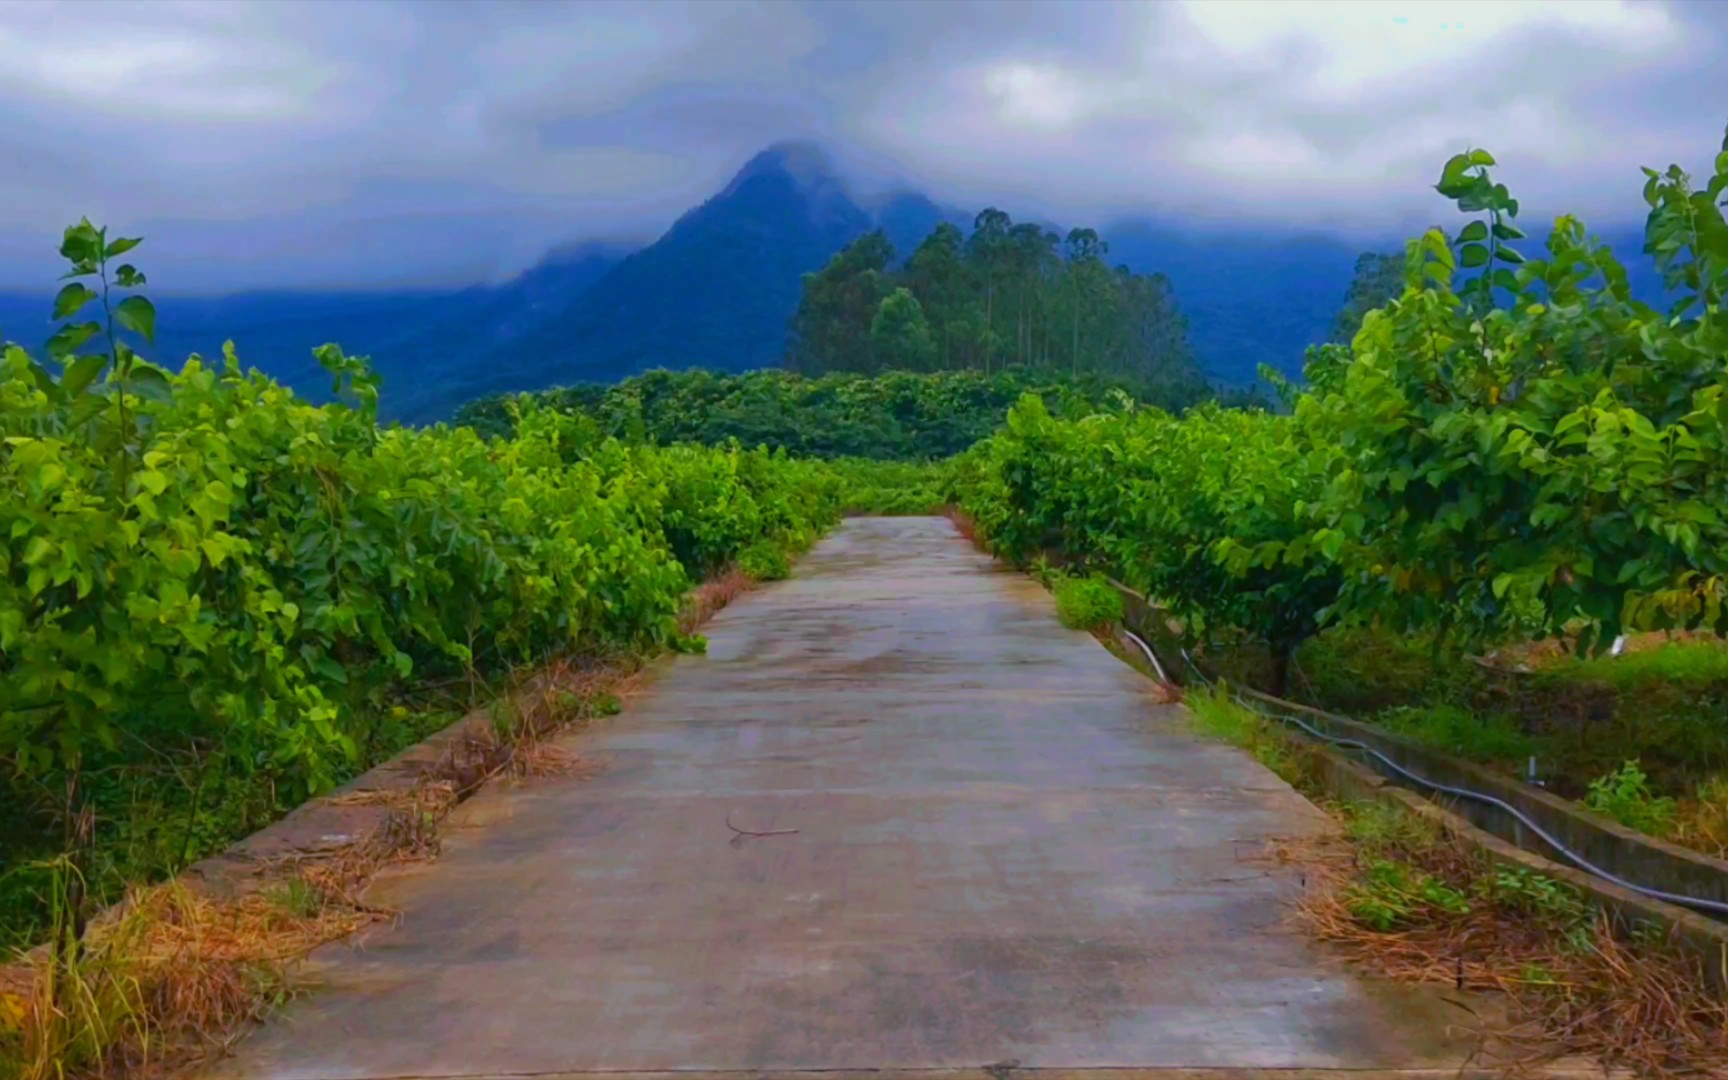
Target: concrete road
x: 1006, y: 851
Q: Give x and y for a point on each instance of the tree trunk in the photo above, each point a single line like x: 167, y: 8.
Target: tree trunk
x: 1074, y: 352
x: 989, y: 309
x: 1280, y: 674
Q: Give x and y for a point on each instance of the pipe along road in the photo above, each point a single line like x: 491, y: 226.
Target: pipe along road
x: 1007, y: 856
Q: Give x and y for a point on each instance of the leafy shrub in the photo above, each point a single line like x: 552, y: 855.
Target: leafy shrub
x: 891, y: 487
x: 1087, y: 603
x: 1511, y: 446
x: 1625, y: 796
x: 203, y: 576
x: 765, y: 561
x: 898, y: 415
x: 1527, y: 447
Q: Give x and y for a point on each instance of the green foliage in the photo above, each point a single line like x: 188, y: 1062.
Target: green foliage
x: 1213, y: 713
x: 898, y: 415
x: 1384, y: 830
x: 1198, y: 511
x: 1524, y: 892
x: 1378, y: 279
x: 1625, y: 796
x: 765, y: 561
x: 1524, y: 446
x: 212, y: 592
x: 1087, y: 603
x: 900, y: 335
x: 1695, y: 664
x: 1511, y: 446
x: 1007, y: 295
x: 891, y: 487
x: 1391, y: 893
x: 1476, y: 736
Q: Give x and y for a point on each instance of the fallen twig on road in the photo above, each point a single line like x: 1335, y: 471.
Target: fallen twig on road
x: 744, y: 834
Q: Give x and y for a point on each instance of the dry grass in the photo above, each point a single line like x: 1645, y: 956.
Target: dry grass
x: 170, y: 975
x: 710, y: 597
x: 1580, y: 985
x: 964, y: 524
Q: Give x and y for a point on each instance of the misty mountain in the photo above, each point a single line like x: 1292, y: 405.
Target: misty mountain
x: 718, y: 288
x: 419, y: 341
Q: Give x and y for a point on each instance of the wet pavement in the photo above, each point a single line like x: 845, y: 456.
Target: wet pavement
x: 1005, y: 851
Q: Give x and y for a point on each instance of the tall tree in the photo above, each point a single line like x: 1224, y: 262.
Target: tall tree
x: 900, y: 335
x: 938, y: 276
x: 829, y: 329
x: 1007, y: 294
x: 1378, y: 280
x: 1089, y: 286
x: 987, y: 251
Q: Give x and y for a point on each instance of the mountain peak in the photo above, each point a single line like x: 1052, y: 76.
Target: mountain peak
x: 806, y: 164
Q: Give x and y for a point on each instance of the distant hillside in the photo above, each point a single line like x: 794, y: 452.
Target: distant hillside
x: 718, y: 290
x: 420, y: 342
x: 715, y: 291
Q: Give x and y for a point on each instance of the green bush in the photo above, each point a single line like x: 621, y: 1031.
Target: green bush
x: 897, y: 415
x: 1087, y: 603
x: 214, y: 596
x: 765, y: 561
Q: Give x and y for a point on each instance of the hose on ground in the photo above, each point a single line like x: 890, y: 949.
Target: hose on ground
x: 1695, y: 902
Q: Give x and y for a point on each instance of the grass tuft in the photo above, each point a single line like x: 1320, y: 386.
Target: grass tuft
x: 1086, y: 603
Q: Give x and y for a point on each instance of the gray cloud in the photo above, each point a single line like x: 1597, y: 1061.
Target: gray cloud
x: 344, y: 142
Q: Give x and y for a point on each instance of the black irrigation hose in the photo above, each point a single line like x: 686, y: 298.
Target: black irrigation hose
x: 1567, y: 853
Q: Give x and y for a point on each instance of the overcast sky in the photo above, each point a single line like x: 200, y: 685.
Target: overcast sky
x: 341, y: 142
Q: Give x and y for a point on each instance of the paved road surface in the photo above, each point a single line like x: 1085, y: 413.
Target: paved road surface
x: 1006, y: 850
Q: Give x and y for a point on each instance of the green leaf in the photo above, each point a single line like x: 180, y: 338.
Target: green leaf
x: 81, y: 373
x: 1481, y: 157
x: 137, y: 315
x: 86, y: 408
x: 70, y: 337
x: 121, y: 246
x: 1506, y: 254
x: 71, y: 298
x: 82, y: 243
x: 149, y: 382
x: 1503, y: 231
x: 1473, y: 255
x: 1473, y: 231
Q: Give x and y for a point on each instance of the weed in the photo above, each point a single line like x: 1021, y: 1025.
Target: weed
x: 1522, y: 891
x: 1215, y: 714
x: 1087, y: 603
x: 1421, y: 907
x: 1485, y: 737
x: 296, y: 896
x: 1625, y: 796
x: 1379, y: 829
x: 1701, y: 819
x: 1391, y: 893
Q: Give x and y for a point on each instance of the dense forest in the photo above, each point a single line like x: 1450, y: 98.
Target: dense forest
x: 1008, y: 294
x: 893, y: 415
